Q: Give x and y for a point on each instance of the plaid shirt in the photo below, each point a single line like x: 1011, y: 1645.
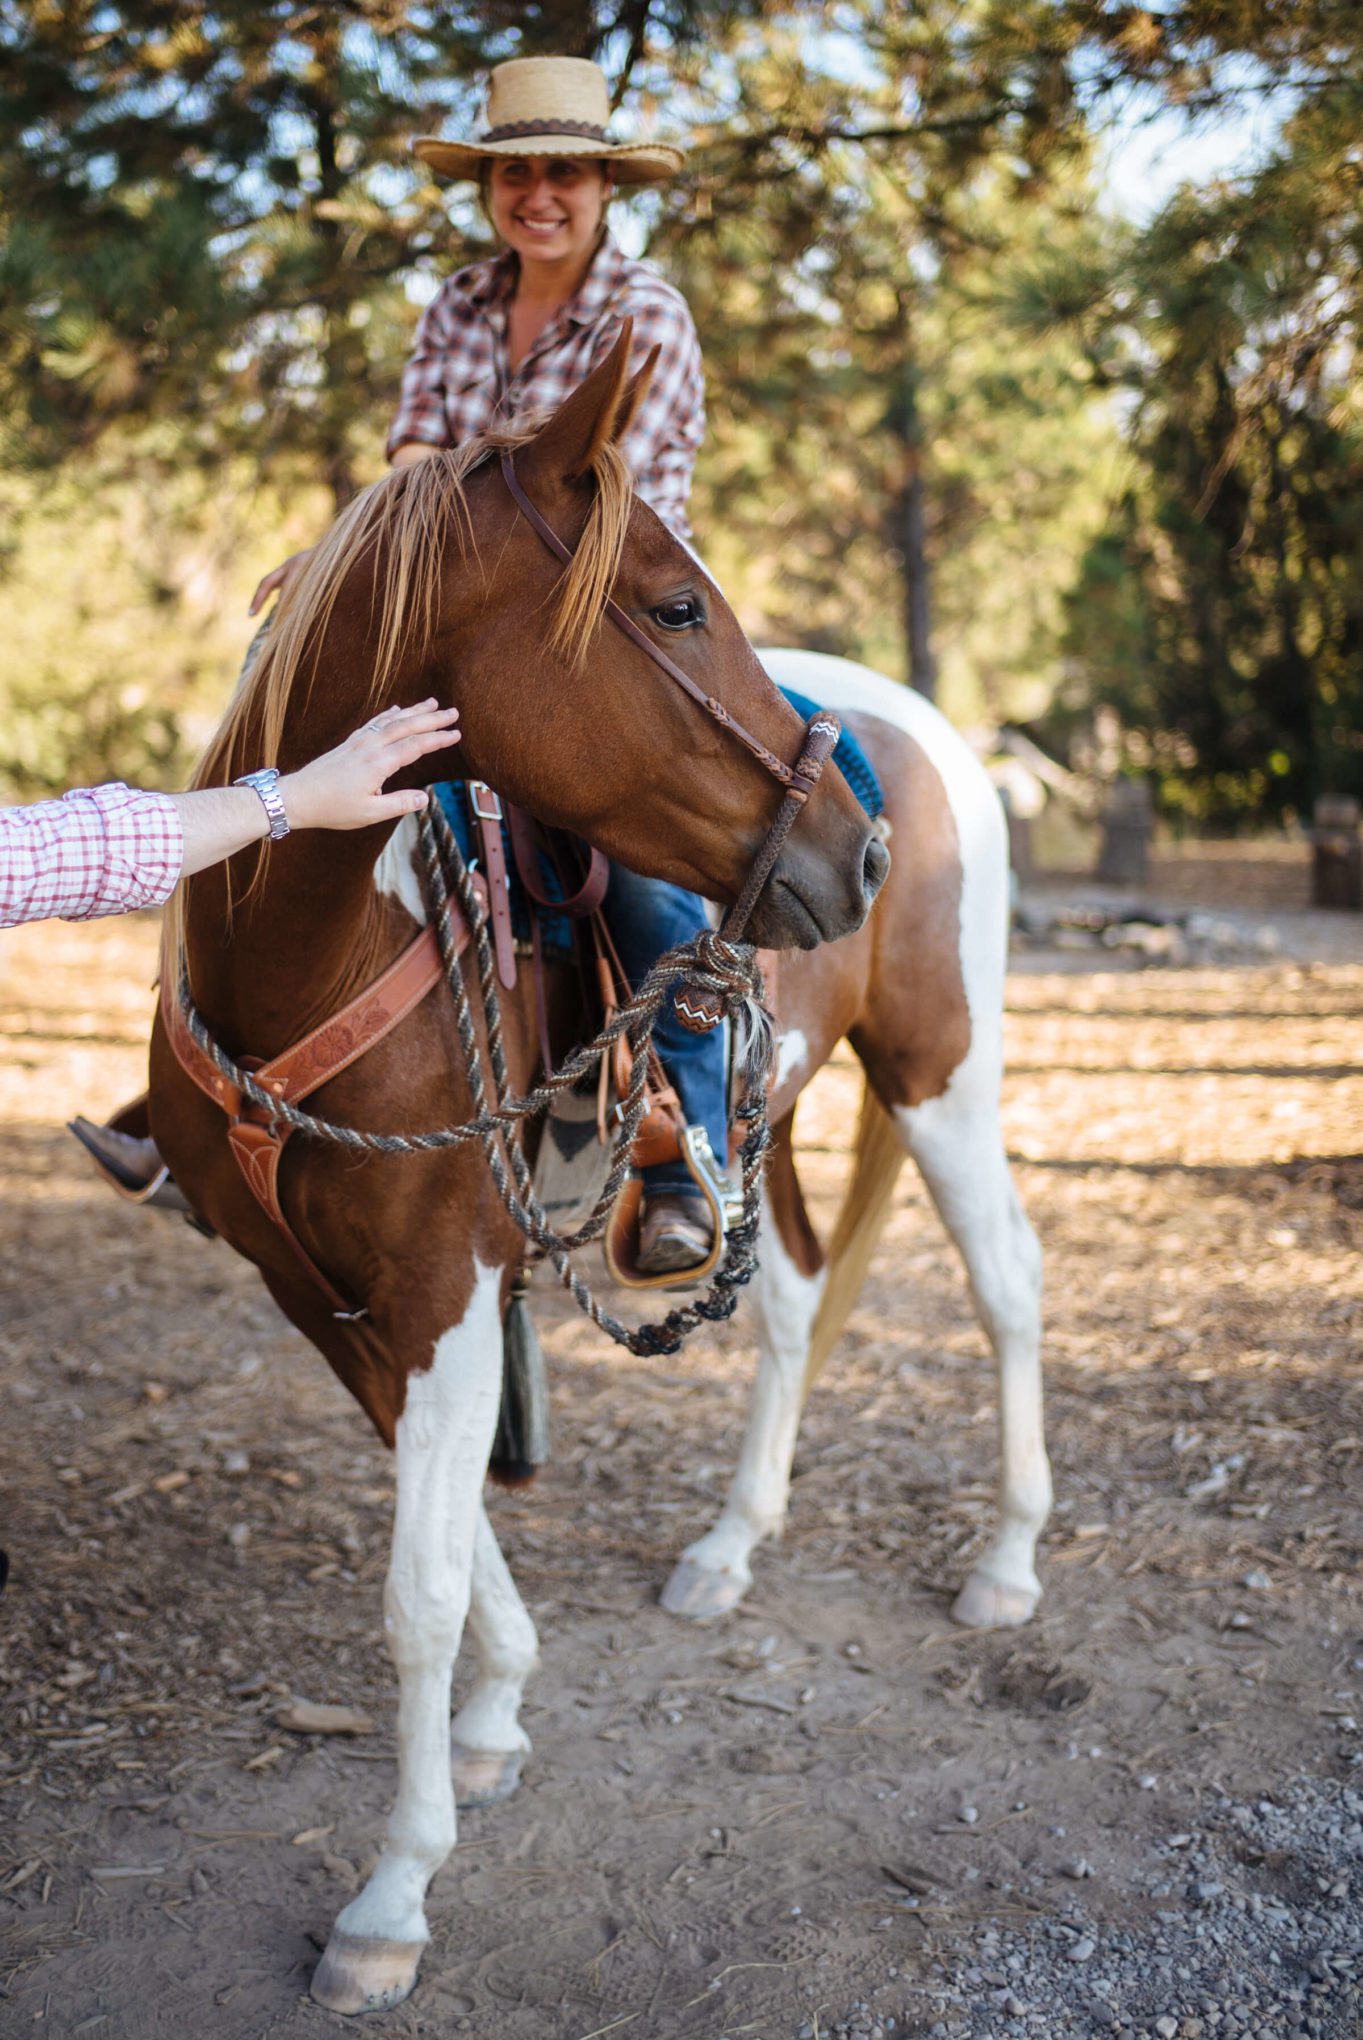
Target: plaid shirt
x: 102, y: 851
x: 459, y: 381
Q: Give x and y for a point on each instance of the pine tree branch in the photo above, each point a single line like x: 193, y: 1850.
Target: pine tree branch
x: 819, y: 135
x: 633, y: 19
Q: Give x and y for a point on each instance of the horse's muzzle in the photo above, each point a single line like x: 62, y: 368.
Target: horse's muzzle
x: 812, y: 897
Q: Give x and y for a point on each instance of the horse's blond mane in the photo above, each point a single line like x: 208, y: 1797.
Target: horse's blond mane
x: 412, y: 513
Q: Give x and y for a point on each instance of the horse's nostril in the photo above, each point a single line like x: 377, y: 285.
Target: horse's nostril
x: 875, y: 868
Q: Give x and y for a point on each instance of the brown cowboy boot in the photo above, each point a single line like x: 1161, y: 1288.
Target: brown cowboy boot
x: 676, y: 1233
x: 131, y: 1164
x: 132, y: 1161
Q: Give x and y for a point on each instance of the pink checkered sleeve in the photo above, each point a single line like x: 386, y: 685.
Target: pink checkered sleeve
x: 102, y: 850
x: 664, y: 439
x: 439, y: 347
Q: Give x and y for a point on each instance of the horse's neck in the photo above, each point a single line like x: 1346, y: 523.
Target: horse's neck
x: 301, y: 945
x: 313, y: 928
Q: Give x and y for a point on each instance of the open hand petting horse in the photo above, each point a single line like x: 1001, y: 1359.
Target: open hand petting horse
x: 436, y: 582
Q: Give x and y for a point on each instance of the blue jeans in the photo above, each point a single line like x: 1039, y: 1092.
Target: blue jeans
x: 645, y: 917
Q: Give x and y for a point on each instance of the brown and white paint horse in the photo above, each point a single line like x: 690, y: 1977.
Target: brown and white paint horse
x: 433, y: 584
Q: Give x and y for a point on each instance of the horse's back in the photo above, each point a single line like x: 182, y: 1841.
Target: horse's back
x: 930, y: 987
x: 854, y: 689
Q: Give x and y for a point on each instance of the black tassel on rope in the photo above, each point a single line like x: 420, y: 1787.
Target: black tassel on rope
x: 521, y: 1446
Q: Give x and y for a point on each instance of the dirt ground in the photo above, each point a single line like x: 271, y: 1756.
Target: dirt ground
x: 739, y: 1829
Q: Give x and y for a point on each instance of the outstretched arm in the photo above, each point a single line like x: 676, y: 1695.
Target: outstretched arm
x: 342, y: 790
x: 110, y: 849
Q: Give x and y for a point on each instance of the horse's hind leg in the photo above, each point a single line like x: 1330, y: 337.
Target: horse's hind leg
x: 444, y: 1439
x: 714, y: 1573
x: 957, y: 1142
x: 489, y: 1744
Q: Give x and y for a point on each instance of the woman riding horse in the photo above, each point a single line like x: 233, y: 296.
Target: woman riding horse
x: 509, y: 338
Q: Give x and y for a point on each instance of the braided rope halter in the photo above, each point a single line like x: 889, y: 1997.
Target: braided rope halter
x: 714, y: 975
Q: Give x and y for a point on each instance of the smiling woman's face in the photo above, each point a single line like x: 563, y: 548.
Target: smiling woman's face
x: 548, y: 208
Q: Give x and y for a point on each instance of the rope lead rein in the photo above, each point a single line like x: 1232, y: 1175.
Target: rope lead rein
x: 721, y: 973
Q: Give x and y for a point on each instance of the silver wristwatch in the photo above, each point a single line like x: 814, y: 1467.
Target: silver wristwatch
x: 266, y: 784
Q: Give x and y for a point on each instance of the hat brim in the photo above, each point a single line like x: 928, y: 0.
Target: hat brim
x: 630, y: 162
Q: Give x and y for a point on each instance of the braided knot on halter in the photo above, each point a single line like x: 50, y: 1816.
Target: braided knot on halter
x: 721, y: 976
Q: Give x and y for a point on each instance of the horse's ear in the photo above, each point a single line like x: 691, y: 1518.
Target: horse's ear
x: 634, y: 393
x: 596, y: 413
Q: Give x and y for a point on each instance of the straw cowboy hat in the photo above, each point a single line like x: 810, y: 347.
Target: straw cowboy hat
x: 550, y: 106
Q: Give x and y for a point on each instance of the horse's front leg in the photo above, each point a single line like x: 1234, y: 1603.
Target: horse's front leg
x: 444, y: 1438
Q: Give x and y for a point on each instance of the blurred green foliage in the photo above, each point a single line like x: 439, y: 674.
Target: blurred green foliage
x: 1220, y: 611
x: 953, y: 405
x: 124, y: 589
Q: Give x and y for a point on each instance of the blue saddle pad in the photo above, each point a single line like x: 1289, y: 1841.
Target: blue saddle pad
x: 556, y: 931
x: 850, y: 759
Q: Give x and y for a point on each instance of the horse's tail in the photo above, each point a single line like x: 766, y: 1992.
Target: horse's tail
x: 877, y: 1159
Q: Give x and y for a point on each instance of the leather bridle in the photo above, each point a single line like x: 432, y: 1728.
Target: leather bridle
x: 698, y: 1010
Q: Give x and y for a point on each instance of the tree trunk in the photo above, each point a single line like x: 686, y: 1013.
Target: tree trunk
x: 913, y: 522
x: 1292, y: 675
x: 917, y: 629
x: 342, y: 386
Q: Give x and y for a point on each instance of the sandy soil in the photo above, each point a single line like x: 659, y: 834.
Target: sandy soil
x: 728, y: 1830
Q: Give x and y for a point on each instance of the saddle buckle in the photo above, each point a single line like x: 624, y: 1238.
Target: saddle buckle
x: 477, y: 789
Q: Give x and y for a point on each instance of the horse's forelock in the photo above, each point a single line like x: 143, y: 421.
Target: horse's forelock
x: 589, y: 580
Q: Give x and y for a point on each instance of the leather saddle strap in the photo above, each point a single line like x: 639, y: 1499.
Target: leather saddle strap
x: 525, y: 834
x: 795, y: 777
x: 659, y: 1138
x: 486, y: 809
x: 258, y: 1142
x: 541, y: 999
x: 257, y: 1149
x: 577, y: 905
x: 330, y: 1047
x: 373, y: 1013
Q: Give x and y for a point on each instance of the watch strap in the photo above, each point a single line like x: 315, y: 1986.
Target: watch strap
x: 265, y: 782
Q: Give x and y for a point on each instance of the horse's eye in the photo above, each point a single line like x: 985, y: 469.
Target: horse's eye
x: 683, y: 614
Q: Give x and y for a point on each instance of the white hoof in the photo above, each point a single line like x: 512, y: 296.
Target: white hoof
x: 700, y: 1595
x: 985, y: 1604
x: 482, y: 1777
x: 358, y: 1975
